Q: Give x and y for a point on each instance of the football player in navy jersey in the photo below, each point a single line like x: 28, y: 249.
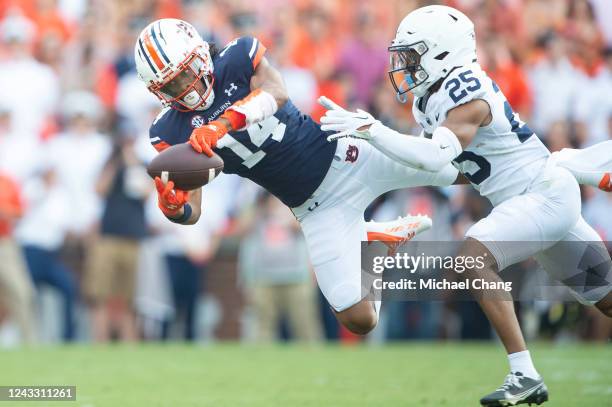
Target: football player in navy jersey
x: 233, y: 102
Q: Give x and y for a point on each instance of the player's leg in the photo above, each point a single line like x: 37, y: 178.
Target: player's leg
x: 334, y: 237
x: 383, y: 174
x: 514, y: 231
x: 360, y: 318
x: 377, y: 174
x: 605, y: 305
x: 333, y: 225
x: 397, y: 232
x: 581, y: 261
x: 523, y: 384
x: 497, y: 305
x: 590, y: 166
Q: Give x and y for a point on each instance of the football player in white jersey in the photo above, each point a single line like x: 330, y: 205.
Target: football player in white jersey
x: 467, y: 121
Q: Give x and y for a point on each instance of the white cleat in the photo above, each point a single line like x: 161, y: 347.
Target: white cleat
x: 397, y: 232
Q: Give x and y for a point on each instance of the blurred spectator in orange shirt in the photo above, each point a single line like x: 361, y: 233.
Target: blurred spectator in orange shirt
x: 50, y: 22
x: 507, y: 73
x: 11, y: 207
x: 586, y: 37
x: 314, y: 46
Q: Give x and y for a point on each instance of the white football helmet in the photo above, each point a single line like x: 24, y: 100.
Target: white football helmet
x: 175, y: 64
x: 429, y: 43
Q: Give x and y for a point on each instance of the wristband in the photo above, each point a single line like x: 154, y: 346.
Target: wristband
x: 257, y: 106
x: 236, y: 119
x: 184, y: 217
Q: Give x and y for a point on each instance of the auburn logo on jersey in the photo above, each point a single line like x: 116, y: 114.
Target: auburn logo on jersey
x: 352, y: 153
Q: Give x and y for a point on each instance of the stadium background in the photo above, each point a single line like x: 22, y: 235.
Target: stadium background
x: 76, y: 208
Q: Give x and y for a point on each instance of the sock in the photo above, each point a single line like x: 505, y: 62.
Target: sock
x: 521, y: 362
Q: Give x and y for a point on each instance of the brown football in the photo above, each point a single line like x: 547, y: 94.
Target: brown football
x: 184, y: 166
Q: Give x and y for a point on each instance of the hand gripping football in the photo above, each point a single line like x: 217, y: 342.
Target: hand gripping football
x: 184, y: 166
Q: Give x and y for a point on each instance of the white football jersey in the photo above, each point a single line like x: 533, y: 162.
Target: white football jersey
x: 505, y: 156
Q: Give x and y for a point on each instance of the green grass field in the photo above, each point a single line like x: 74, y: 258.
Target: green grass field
x: 232, y: 375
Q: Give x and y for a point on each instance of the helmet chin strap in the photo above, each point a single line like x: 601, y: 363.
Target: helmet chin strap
x: 193, y: 98
x: 210, y: 98
x: 403, y: 97
x: 209, y: 101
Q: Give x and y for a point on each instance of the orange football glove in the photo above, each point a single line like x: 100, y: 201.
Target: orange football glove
x: 204, y: 139
x: 170, y: 200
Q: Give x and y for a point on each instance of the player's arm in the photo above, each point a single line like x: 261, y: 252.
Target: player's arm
x: 268, y: 93
x: 433, y: 154
x: 446, y: 143
x: 464, y: 120
x: 461, y: 180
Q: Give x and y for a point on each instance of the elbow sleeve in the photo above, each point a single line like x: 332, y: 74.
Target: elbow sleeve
x: 448, y: 145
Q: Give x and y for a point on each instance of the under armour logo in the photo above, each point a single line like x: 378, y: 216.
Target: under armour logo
x: 352, y: 153
x: 231, y: 89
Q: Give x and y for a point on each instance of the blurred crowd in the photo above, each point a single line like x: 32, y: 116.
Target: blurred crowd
x: 85, y: 254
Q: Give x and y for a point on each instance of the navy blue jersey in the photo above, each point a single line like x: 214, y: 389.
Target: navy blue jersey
x: 287, y: 154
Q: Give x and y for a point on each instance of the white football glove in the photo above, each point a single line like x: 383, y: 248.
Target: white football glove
x: 345, y: 123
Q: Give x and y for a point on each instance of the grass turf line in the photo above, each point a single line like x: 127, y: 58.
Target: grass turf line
x: 232, y: 375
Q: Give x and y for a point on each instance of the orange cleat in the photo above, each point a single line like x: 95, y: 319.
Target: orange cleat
x: 397, y: 232
x: 606, y: 182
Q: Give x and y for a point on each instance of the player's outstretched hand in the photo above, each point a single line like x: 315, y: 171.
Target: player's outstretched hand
x: 345, y: 123
x: 329, y: 104
x: 204, y: 139
x: 170, y: 200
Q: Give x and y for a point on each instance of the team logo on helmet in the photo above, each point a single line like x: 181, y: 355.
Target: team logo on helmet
x: 197, y: 121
